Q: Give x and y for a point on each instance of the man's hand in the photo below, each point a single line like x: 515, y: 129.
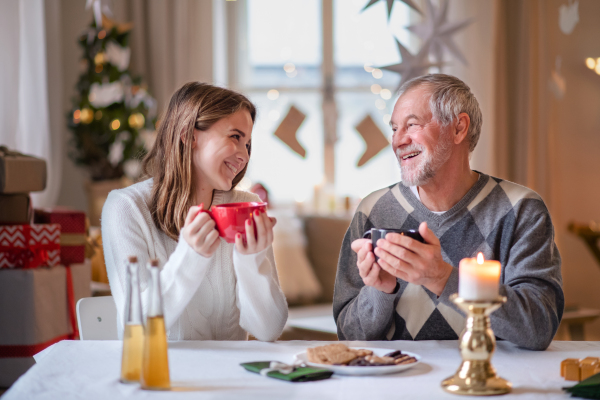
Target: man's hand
x: 413, y: 261
x: 370, y: 272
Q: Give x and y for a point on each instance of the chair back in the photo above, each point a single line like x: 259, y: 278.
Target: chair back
x: 97, y: 318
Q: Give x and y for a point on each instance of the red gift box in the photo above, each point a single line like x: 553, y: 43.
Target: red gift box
x: 72, y: 231
x: 29, y: 246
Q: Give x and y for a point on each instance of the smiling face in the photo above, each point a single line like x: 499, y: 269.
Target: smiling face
x: 221, y: 151
x: 421, y: 145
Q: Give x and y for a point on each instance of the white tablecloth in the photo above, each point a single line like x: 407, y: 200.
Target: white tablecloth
x: 90, y: 370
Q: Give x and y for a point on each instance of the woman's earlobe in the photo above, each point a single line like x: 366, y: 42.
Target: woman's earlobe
x: 182, y: 137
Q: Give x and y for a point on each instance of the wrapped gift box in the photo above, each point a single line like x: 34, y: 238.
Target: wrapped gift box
x: 37, y: 309
x: 20, y: 173
x: 29, y: 246
x: 72, y: 231
x: 15, y: 209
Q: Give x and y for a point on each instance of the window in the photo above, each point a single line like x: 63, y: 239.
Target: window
x: 319, y: 55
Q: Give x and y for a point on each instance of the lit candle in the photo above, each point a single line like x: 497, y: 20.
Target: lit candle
x: 478, y: 279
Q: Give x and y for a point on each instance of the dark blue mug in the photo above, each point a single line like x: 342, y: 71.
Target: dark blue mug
x: 379, y: 233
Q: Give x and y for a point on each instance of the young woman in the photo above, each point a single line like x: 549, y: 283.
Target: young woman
x: 212, y: 290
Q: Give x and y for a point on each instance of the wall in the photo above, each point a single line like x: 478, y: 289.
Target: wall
x: 73, y: 20
x: 474, y: 42
x: 577, y: 129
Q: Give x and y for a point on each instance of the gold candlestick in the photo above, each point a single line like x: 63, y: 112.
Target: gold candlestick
x: 476, y: 376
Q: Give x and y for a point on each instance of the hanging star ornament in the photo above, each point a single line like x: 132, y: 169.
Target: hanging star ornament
x: 438, y: 31
x: 411, y: 65
x: 390, y: 4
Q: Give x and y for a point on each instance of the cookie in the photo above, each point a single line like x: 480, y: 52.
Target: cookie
x: 404, y: 359
x: 362, y: 352
x: 375, y: 360
x: 342, y: 358
x: 336, y: 353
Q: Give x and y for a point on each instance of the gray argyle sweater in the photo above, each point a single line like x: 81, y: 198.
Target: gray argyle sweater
x: 505, y: 221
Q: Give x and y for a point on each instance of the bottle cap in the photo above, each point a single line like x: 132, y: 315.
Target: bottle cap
x: 153, y: 262
x: 132, y: 259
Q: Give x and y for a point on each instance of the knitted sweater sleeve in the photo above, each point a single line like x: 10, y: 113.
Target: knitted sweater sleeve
x: 126, y: 231
x: 259, y: 298
x: 262, y: 304
x: 532, y: 282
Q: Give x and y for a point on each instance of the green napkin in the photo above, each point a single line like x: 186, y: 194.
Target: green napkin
x: 587, y: 389
x: 299, y: 374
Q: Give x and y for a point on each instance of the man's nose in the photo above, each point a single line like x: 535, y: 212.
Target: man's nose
x: 400, y: 138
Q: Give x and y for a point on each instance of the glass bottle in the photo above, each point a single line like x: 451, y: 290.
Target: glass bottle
x: 155, y: 364
x: 133, y: 335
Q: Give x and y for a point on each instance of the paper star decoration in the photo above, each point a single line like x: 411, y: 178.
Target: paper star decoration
x: 411, y: 65
x: 390, y: 4
x: 438, y: 31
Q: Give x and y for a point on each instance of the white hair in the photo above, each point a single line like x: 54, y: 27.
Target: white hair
x: 449, y: 97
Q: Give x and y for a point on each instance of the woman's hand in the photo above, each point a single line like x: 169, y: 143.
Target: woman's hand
x: 200, y: 233
x: 264, y: 234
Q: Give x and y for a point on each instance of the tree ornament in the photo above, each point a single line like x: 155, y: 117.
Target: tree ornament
x: 390, y: 4
x: 86, y: 115
x: 136, y: 121
x: 411, y: 66
x: 102, y: 95
x: 117, y: 55
x: 435, y: 29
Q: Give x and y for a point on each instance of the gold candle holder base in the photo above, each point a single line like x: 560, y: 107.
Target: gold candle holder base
x: 476, y: 376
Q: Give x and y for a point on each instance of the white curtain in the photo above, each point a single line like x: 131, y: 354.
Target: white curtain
x: 24, y: 121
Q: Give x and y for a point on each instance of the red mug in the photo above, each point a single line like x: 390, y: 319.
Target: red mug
x: 231, y: 218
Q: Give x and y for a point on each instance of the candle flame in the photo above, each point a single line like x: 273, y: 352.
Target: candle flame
x: 480, y: 258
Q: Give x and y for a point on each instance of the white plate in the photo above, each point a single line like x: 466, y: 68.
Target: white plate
x: 356, y: 370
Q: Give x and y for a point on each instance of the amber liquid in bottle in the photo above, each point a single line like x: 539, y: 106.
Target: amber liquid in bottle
x: 133, y: 335
x: 155, y: 361
x: 133, y: 344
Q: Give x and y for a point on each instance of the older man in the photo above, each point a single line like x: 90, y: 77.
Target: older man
x: 459, y: 212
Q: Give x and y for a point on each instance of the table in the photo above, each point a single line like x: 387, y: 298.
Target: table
x: 90, y: 370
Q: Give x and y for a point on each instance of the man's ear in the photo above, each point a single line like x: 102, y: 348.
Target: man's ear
x: 461, y: 129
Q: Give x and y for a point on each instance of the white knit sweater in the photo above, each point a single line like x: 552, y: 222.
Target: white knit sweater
x: 216, y: 298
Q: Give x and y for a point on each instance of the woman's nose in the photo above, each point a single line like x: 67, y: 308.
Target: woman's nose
x: 243, y: 156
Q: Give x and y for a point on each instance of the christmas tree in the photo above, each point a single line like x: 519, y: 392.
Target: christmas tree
x: 113, y: 115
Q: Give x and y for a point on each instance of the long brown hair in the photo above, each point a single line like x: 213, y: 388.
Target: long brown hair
x: 195, y: 105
